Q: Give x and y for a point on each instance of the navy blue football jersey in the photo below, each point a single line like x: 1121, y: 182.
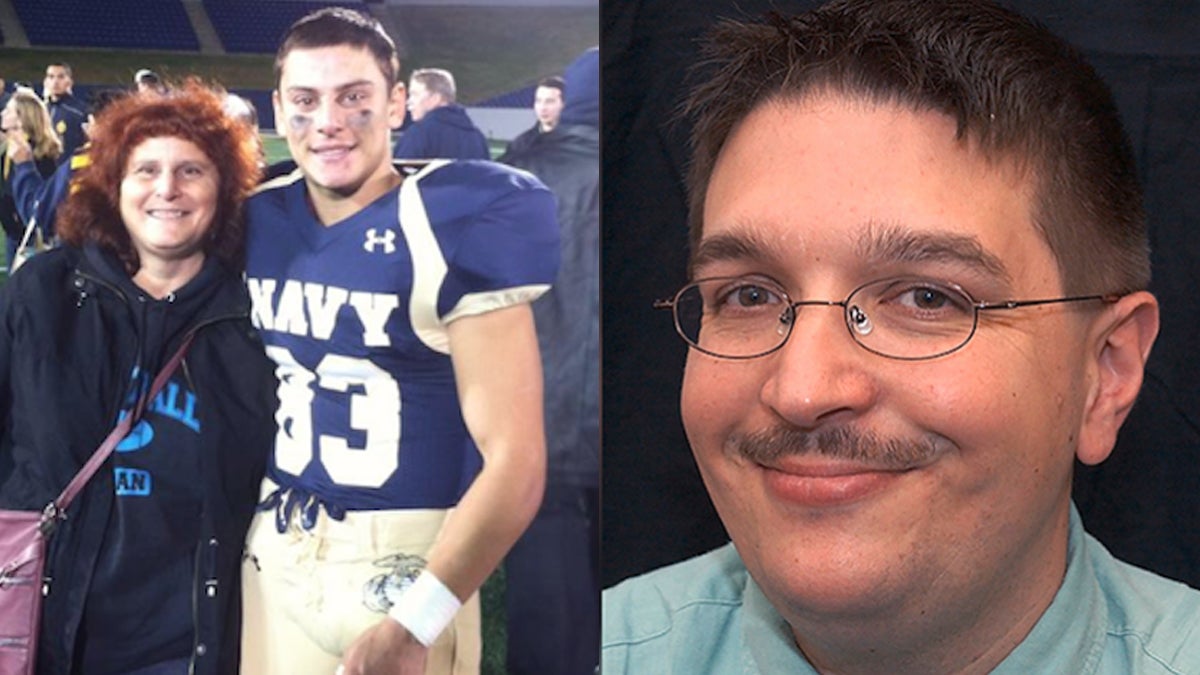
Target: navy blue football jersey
x: 355, y: 315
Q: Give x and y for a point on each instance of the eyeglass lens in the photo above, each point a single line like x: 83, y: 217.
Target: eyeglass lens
x: 899, y: 318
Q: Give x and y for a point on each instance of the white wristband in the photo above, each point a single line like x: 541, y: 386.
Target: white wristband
x: 425, y: 608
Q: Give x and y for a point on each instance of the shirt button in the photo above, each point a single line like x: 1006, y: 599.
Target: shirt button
x: 201, y: 649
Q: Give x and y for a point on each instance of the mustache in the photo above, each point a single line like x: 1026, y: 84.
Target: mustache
x: 842, y: 443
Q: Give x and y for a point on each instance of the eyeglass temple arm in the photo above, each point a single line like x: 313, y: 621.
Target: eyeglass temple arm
x: 1012, y: 304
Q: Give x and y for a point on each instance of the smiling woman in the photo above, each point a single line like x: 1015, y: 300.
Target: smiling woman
x: 154, y: 177
x: 142, y: 575
x: 167, y: 200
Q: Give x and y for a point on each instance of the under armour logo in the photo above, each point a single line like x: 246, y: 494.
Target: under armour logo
x: 388, y: 239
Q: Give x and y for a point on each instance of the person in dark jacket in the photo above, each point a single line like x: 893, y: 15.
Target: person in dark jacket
x: 143, y: 573
x: 441, y: 128
x: 68, y: 113
x: 552, y: 580
x: 29, y: 138
x: 548, y: 100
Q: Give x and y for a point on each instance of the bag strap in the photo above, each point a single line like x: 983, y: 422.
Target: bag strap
x: 57, y: 509
x: 29, y: 230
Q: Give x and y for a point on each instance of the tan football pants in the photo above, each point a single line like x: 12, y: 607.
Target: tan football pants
x: 304, y: 591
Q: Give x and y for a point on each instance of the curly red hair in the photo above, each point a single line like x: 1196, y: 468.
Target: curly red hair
x: 193, y: 113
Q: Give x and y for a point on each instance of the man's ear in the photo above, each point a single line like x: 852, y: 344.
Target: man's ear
x: 1120, y: 344
x: 397, y: 104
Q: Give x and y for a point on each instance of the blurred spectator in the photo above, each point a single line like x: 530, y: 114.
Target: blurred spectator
x: 441, y: 128
x: 147, y: 80
x: 547, y: 107
x: 548, y: 102
x: 67, y: 112
x: 38, y: 198
x: 4, y: 95
x: 552, y: 575
x: 243, y: 110
x: 29, y: 138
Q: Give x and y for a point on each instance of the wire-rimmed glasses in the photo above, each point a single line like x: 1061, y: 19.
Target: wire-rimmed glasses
x: 905, y: 318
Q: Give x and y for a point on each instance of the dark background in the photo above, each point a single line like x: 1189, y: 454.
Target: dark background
x: 1143, y: 503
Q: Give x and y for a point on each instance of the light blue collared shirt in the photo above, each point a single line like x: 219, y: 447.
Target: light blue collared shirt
x: 706, y: 615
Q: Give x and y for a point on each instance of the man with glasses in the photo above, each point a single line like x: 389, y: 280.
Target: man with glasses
x: 918, y: 263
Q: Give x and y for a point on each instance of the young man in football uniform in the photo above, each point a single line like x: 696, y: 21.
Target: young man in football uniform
x: 410, y: 452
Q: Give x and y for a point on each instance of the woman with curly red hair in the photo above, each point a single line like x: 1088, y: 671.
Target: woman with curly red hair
x: 142, y: 575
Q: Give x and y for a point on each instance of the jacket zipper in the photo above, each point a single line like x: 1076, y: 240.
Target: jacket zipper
x: 196, y: 603
x: 205, y: 552
x: 137, y: 346
x: 206, y: 540
x: 210, y: 540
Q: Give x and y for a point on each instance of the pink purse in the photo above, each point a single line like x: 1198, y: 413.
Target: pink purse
x: 23, y: 536
x: 23, y: 555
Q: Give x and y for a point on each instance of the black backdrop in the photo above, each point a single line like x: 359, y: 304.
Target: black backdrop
x: 1144, y: 502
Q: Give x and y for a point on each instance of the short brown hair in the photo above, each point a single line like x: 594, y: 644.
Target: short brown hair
x: 1019, y: 92
x: 553, y: 81
x: 336, y: 26
x: 61, y: 64
x: 193, y: 113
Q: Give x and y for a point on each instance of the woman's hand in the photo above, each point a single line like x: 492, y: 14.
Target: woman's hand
x: 18, y: 148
